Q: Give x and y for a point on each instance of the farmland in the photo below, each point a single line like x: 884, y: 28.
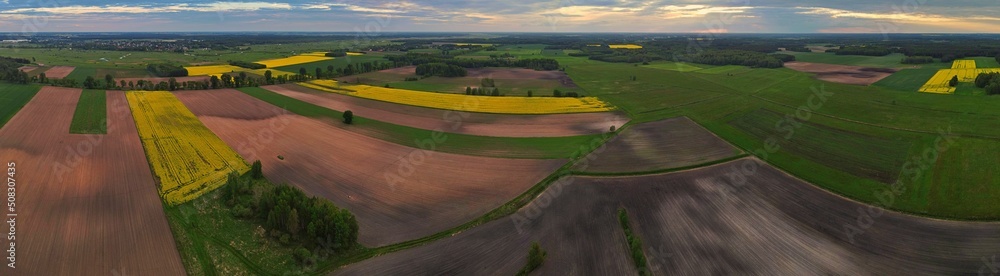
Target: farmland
x: 510, y: 81
x: 965, y: 70
x: 91, y: 113
x: 393, y: 201
x: 187, y: 158
x: 12, y: 99
x: 495, y: 125
x: 642, y: 148
x: 293, y: 60
x: 99, y: 210
x: 486, y: 104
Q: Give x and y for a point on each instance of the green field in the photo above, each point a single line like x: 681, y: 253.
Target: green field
x: 722, y: 69
x: 887, y: 61
x: 91, y: 116
x: 340, y: 62
x: 12, y: 98
x: 674, y: 66
x: 909, y: 80
x: 985, y: 62
x: 503, y: 147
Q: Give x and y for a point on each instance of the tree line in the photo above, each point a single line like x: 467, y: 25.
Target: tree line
x: 540, y: 64
x: 247, y: 64
x: 861, y: 51
x: 737, y: 57
x: 9, y: 70
x: 312, y: 224
x: 441, y: 69
x: 989, y: 82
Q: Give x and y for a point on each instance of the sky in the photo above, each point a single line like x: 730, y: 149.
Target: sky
x: 715, y: 16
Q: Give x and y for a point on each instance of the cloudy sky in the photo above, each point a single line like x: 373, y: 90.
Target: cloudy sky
x: 734, y: 16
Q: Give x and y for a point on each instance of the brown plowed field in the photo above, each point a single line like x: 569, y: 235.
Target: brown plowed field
x: 842, y: 73
x: 665, y: 144
x: 479, y: 124
x: 397, y: 193
x: 86, y: 204
x: 58, y: 72
x: 702, y: 222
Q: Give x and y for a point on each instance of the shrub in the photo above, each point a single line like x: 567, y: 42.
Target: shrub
x: 953, y: 82
x: 536, y: 256
x: 255, y: 170
x: 348, y: 117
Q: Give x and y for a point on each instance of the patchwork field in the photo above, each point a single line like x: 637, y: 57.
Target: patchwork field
x: 292, y: 60
x: 208, y: 70
x: 158, y: 80
x: 674, y: 66
x: 398, y: 193
x: 484, y: 104
x: 653, y: 146
x: 188, y: 159
x: 624, y: 46
x: 58, y: 72
x: 88, y: 201
x: 510, y: 81
x: 765, y: 222
x: 481, y: 124
x: 842, y: 73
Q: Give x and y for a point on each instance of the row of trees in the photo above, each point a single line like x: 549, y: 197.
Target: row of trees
x: 9, y: 70
x: 861, y: 51
x: 482, y: 91
x: 247, y: 64
x: 737, y: 57
x: 312, y: 223
x: 990, y: 82
x: 167, y: 70
x: 441, y: 69
x: 541, y: 64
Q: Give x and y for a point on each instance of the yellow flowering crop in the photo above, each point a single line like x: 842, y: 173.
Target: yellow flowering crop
x: 624, y: 46
x: 939, y: 82
x: 460, y: 102
x: 293, y: 60
x: 187, y: 158
x: 209, y: 70
x: 963, y: 64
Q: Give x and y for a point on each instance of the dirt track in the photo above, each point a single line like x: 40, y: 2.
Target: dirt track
x: 842, y: 73
x: 703, y: 222
x: 87, y: 204
x: 397, y: 193
x: 664, y: 144
x: 480, y: 124
x: 58, y: 72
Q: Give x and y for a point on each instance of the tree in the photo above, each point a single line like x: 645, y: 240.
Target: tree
x: 268, y: 77
x: 123, y: 83
x: 348, y: 117
x: 993, y: 88
x: 215, y: 82
x: 468, y: 90
x: 536, y: 256
x: 319, y: 72
x: 255, y: 170
x: 329, y: 70
x: 953, y: 82
x: 109, y: 81
x: 172, y: 84
x: 131, y: 85
x: 293, y: 222
x: 529, y: 93
x: 302, y: 71
x: 556, y: 93
x: 89, y: 82
x: 42, y: 78
x: 227, y: 80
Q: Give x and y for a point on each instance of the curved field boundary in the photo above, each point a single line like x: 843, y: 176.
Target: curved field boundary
x: 188, y: 159
x: 657, y: 146
x: 483, y: 104
x: 763, y: 222
x: 479, y: 124
x: 398, y: 193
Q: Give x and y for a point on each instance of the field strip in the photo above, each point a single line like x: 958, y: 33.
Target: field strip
x: 188, y: 159
x: 458, y: 102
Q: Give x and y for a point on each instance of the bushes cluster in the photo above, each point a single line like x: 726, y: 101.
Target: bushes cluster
x: 482, y: 91
x: 247, y: 64
x: 634, y: 243
x: 290, y: 216
x: 167, y: 70
x: 990, y: 82
x: 337, y: 53
x: 9, y: 70
x: 536, y: 256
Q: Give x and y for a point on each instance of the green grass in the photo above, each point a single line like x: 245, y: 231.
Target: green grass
x: 887, y: 61
x: 91, y: 114
x: 503, y: 147
x: 909, y: 80
x: 985, y: 62
x: 858, y: 154
x: 674, y: 66
x: 12, y: 98
x: 721, y: 69
x: 966, y: 173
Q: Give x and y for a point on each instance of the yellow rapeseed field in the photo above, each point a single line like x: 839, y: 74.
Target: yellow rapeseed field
x: 625, y: 46
x: 187, y: 158
x: 460, y: 102
x: 293, y: 60
x: 315, y: 54
x: 355, y: 54
x: 209, y: 70
x: 963, y: 64
x: 939, y: 82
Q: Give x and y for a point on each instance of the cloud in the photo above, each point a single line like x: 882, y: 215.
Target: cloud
x: 140, y: 9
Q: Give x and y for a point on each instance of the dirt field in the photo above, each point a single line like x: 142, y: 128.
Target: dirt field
x: 158, y: 80
x: 27, y: 68
x: 495, y: 73
x: 665, y: 144
x: 842, y: 73
x: 86, y: 204
x: 481, y: 124
x: 58, y: 72
x: 397, y: 193
x: 771, y: 224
